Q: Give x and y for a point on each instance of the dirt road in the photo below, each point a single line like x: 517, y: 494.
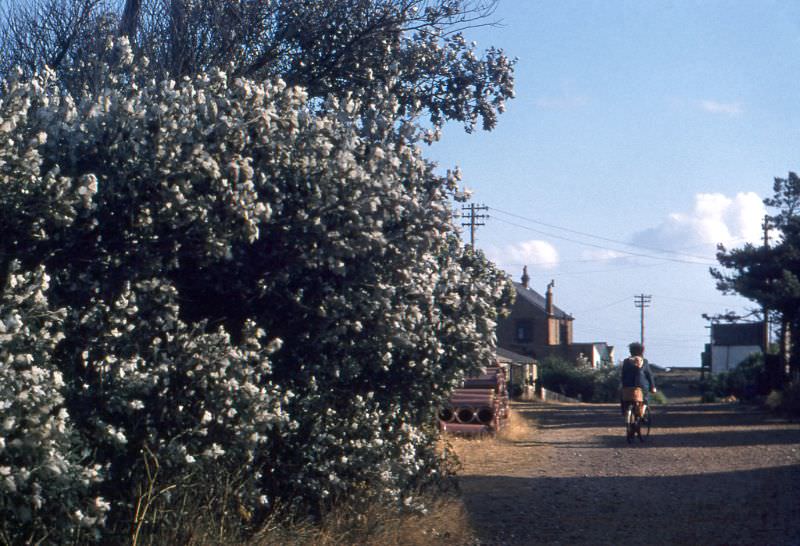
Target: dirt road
x: 709, y: 474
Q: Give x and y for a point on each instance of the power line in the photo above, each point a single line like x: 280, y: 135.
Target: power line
x: 607, y: 239
x: 603, y: 306
x: 660, y: 338
x: 627, y: 252
x: 600, y: 237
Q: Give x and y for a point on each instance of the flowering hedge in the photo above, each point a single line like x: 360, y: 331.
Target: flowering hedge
x: 240, y: 277
x: 45, y: 477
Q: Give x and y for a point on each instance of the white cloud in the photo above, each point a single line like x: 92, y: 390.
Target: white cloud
x: 533, y: 253
x: 602, y: 255
x: 716, y: 107
x: 714, y: 219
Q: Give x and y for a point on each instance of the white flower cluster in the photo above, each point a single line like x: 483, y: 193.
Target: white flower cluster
x: 254, y: 280
x: 190, y: 397
x: 44, y: 484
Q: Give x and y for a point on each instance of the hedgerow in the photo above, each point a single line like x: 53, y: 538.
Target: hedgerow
x: 222, y: 274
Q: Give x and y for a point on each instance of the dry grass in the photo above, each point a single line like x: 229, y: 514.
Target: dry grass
x: 211, y: 519
x: 487, y: 454
x: 518, y: 428
x: 445, y: 522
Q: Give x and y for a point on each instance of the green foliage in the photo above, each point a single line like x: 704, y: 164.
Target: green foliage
x: 414, y: 50
x: 46, y: 482
x: 658, y: 398
x: 770, y: 275
x: 606, y: 383
x: 236, y: 277
x: 565, y: 377
x: 745, y: 382
x: 786, y: 401
x: 708, y: 396
x: 774, y: 400
x: 590, y: 385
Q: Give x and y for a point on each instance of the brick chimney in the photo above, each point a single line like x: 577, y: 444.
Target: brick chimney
x: 525, y: 278
x: 549, y: 298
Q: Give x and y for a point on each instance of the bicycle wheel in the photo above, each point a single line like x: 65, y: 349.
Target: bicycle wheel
x: 630, y: 423
x: 645, y: 424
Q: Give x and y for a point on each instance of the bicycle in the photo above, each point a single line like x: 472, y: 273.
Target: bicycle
x: 638, y: 419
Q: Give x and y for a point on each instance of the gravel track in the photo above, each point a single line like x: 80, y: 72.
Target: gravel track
x: 710, y: 474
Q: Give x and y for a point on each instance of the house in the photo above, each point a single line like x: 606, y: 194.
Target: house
x: 521, y: 372
x: 536, y: 327
x: 731, y: 344
x: 594, y: 353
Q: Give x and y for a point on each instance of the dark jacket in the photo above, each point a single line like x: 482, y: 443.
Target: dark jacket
x: 633, y: 376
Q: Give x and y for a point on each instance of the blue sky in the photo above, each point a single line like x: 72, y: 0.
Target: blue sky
x: 657, y: 124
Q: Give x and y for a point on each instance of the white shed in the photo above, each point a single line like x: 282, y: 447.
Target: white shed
x: 732, y: 343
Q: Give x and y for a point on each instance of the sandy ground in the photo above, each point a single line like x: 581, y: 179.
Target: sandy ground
x: 565, y: 474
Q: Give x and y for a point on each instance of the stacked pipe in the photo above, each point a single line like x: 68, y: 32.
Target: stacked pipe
x: 480, y: 406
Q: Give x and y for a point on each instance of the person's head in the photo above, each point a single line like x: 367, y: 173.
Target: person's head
x: 636, y: 349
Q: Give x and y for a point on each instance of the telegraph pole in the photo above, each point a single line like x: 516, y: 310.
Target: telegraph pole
x: 472, y: 211
x: 765, y: 339
x: 641, y: 301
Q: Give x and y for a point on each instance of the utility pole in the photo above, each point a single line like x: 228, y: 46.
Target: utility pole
x: 766, y: 333
x: 641, y: 301
x: 472, y: 213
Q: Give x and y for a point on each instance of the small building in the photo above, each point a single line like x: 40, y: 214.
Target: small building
x: 594, y: 353
x: 731, y: 344
x: 537, y: 328
x: 521, y: 372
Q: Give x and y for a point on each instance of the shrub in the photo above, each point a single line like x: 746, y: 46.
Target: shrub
x: 46, y: 477
x: 774, y: 400
x: 658, y: 397
x: 607, y: 384
x: 745, y: 382
x: 786, y: 400
x: 251, y: 280
x: 565, y: 377
x: 590, y: 385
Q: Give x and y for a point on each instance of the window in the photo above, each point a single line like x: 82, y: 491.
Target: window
x: 524, y: 330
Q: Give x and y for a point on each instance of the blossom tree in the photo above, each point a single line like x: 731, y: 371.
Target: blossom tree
x: 46, y: 477
x: 249, y: 277
x: 414, y: 49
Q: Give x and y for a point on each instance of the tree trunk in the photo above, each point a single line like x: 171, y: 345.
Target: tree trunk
x: 130, y: 18
x: 783, y: 346
x: 793, y: 356
x: 179, y: 50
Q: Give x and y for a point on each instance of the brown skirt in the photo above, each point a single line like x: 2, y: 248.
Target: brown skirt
x: 632, y: 394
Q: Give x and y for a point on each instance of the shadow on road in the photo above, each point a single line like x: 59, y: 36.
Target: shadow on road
x: 728, y: 438
x: 686, y: 425
x: 666, y: 416
x: 752, y: 507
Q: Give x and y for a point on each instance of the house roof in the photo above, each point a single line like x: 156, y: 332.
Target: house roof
x: 511, y: 356
x: 533, y: 297
x: 743, y: 333
x: 593, y: 343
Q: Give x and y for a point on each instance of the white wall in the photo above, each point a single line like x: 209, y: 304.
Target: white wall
x: 725, y: 358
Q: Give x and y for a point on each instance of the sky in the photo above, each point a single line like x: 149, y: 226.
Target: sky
x: 642, y: 135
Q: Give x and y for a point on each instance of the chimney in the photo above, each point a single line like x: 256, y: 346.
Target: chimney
x: 549, y: 298
x: 525, y: 278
